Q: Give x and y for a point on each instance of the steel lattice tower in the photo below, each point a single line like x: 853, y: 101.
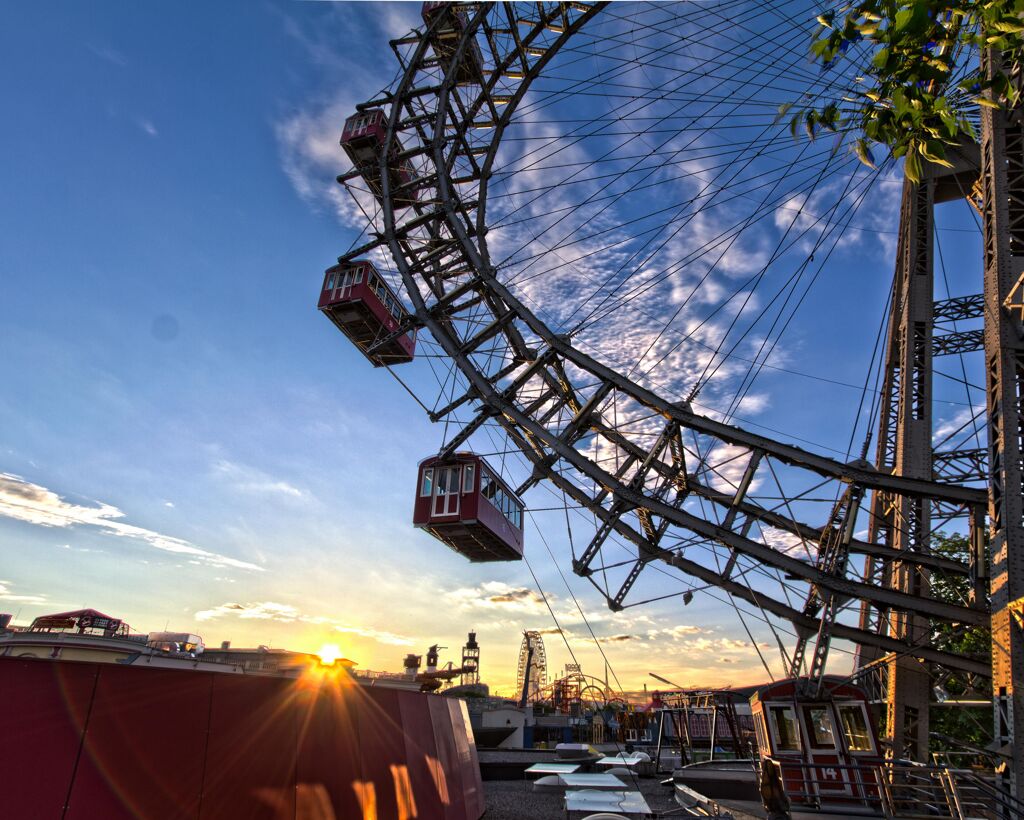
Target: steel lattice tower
x: 1002, y: 165
x: 993, y: 181
x: 471, y: 661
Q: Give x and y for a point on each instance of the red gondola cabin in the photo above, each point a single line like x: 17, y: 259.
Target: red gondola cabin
x: 444, y: 39
x: 462, y: 502
x: 826, y: 747
x: 362, y: 306
x: 363, y: 139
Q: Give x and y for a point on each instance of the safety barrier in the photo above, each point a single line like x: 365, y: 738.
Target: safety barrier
x: 99, y: 740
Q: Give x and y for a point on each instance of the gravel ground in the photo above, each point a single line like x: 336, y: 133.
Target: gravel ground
x: 514, y: 800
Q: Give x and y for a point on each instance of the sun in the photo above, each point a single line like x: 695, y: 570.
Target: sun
x: 329, y: 653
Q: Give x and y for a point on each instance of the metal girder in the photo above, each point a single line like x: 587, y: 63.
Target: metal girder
x: 960, y: 465
x: 813, y: 534
x: 833, y: 552
x: 960, y: 308
x: 963, y: 341
x: 765, y: 603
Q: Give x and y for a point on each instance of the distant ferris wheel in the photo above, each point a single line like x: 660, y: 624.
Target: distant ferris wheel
x: 532, y: 670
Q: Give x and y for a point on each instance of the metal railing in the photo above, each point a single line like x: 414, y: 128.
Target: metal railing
x: 897, y: 790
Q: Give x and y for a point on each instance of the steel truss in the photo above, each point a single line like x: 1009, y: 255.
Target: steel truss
x: 1002, y: 175
x: 655, y: 482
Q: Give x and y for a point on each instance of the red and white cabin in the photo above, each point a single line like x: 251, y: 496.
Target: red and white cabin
x: 827, y: 747
x: 461, y: 501
x: 363, y: 139
x: 444, y: 39
x: 363, y: 307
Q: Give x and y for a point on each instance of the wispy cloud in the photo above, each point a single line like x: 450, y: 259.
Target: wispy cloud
x: 682, y: 630
x: 147, y: 127
x: 958, y: 426
x: 286, y: 613
x: 79, y: 549
x: 252, y: 481
x: 499, y: 596
x: 110, y: 55
x: 24, y: 501
x: 7, y: 595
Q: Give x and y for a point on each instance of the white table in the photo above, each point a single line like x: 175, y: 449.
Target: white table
x: 620, y: 802
x: 553, y: 768
x: 602, y: 781
x: 629, y: 761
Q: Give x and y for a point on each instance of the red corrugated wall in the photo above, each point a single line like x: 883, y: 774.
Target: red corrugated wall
x: 92, y: 741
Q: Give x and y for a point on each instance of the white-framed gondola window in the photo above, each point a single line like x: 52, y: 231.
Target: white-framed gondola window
x: 818, y: 723
x: 762, y: 741
x: 854, y: 722
x: 427, y: 486
x: 784, y: 728
x: 468, y: 476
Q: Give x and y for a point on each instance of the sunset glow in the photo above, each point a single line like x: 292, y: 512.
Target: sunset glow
x: 329, y: 653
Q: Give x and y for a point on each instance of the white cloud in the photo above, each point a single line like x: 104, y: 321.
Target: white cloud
x: 261, y: 611
x: 396, y: 19
x: 147, y: 127
x: 808, y: 215
x: 683, y: 630
x: 720, y: 645
x: 79, y: 549
x: 286, y: 613
x: 381, y: 636
x: 958, y: 426
x: 7, y: 595
x: 24, y: 501
x: 312, y: 158
x: 499, y: 596
x: 251, y: 481
x: 786, y: 542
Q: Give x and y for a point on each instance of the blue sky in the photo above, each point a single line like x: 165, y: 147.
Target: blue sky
x: 185, y: 441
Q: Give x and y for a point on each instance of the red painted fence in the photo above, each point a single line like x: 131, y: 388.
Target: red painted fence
x: 97, y: 741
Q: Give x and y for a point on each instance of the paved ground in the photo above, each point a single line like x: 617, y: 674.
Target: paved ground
x: 514, y: 800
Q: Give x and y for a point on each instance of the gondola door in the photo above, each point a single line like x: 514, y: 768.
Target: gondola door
x: 345, y: 284
x: 825, y: 754
x: 446, y: 491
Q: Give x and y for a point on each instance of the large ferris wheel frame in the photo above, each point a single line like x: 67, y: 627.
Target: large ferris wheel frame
x: 548, y: 395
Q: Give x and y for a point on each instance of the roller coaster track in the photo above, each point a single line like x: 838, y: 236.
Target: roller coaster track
x: 656, y: 491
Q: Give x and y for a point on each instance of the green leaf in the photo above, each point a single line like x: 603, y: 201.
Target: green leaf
x: 810, y: 121
x: 934, y: 151
x: 863, y: 152
x: 912, y: 166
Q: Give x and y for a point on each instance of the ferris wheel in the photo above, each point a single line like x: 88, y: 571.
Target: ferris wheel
x: 561, y: 205
x: 532, y: 667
